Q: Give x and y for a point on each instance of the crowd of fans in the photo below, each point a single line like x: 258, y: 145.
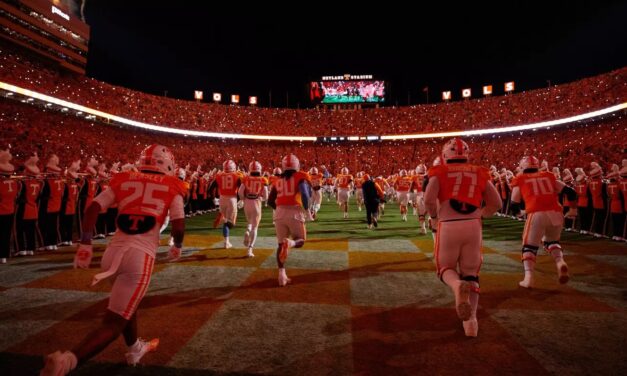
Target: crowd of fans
x: 537, y: 105
x: 28, y: 129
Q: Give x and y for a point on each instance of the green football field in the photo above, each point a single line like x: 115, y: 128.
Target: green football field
x: 360, y: 302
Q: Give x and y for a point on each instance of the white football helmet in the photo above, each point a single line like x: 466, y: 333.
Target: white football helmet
x: 254, y: 166
x: 437, y: 161
x: 360, y: 174
x: 290, y: 162
x: 528, y: 162
x: 157, y: 158
x: 277, y: 171
x: 229, y: 166
x: 402, y: 173
x: 313, y: 171
x: 455, y: 148
x: 344, y: 171
x: 421, y: 169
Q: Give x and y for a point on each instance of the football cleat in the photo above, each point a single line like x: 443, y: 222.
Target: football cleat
x: 139, y: 349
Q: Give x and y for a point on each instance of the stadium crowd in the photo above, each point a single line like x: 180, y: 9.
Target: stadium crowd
x: 63, y: 160
x: 537, y: 105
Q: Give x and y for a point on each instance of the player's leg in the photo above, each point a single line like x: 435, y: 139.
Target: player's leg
x: 532, y: 236
x: 553, y: 247
x: 447, y: 249
x: 469, y: 265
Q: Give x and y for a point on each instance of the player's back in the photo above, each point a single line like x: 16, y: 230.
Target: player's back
x: 288, y: 193
x: 254, y: 186
x: 143, y: 200
x: 538, y: 190
x: 227, y: 183
x: 461, y: 190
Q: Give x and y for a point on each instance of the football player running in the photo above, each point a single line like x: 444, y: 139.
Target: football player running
x: 460, y: 187
x: 144, y: 199
x: 252, y: 191
x: 540, y: 190
x: 290, y: 196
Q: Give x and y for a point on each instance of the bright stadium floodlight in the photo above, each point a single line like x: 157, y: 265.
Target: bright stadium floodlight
x: 93, y: 113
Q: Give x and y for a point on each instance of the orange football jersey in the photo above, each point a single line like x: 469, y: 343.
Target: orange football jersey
x: 462, y: 182
x: 144, y: 194
x: 228, y: 183
x: 538, y: 191
x: 287, y: 189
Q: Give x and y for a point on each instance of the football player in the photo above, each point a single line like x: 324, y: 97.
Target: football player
x: 540, y: 190
x: 144, y: 198
x: 344, y: 184
x: 460, y: 188
x: 252, y: 191
x: 290, y: 197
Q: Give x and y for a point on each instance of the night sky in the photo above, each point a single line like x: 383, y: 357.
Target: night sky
x: 247, y: 50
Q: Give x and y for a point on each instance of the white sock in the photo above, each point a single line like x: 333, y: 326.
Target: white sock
x: 290, y: 243
x: 252, y: 237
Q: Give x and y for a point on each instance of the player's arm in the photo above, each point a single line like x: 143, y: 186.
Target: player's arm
x: 102, y: 201
x: 82, y: 259
x: 380, y: 192
x: 571, y: 195
x: 305, y: 193
x: 515, y: 200
x: 431, y: 197
x: 241, y: 192
x: 272, y: 198
x: 492, y: 199
x: 264, y: 193
x: 177, y: 220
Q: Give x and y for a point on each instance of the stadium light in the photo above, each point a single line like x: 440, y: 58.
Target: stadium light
x: 92, y: 113
x: 234, y: 98
x: 509, y: 86
x: 252, y: 101
x: 487, y: 90
x: 466, y: 93
x: 217, y: 97
x: 446, y: 95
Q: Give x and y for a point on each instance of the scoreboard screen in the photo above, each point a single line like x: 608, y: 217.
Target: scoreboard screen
x: 332, y: 92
